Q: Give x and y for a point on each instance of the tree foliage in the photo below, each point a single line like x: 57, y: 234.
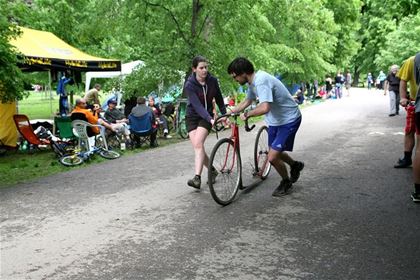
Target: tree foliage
x: 11, y: 78
x: 300, y: 39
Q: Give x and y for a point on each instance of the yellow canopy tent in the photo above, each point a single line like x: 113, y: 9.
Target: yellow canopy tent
x: 43, y: 51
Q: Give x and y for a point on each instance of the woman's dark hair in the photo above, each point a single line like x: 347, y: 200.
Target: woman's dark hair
x: 196, y: 60
x: 240, y: 65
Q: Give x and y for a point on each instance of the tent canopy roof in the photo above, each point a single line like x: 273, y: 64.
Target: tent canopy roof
x: 43, y: 50
x: 126, y: 69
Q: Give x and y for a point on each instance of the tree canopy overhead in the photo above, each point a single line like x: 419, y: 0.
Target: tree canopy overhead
x: 299, y: 39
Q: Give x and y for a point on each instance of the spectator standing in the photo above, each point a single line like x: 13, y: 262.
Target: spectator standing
x: 414, y: 88
x: 348, y: 81
x: 381, y: 78
x: 61, y: 90
x: 92, y: 96
x: 339, y: 80
x: 282, y: 115
x: 369, y: 80
x: 328, y: 85
x: 201, y: 88
x: 392, y: 85
x: 406, y: 75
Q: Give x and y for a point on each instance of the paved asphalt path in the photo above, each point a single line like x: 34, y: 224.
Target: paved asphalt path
x: 349, y: 217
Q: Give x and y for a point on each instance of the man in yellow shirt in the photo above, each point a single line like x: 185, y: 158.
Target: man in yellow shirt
x: 406, y: 75
x: 412, y: 74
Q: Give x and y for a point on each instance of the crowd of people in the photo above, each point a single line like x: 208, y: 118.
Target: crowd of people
x: 330, y: 88
x: 113, y: 119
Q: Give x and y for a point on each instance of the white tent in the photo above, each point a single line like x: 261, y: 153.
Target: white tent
x: 126, y: 68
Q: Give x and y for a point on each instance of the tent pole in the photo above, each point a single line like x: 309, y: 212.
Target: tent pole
x: 49, y: 88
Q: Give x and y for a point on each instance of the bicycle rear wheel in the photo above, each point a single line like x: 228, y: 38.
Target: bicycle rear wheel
x: 261, y: 148
x: 109, y: 154
x: 227, y: 162
x: 71, y: 160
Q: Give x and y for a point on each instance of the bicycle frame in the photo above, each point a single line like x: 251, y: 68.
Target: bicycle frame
x: 234, y: 135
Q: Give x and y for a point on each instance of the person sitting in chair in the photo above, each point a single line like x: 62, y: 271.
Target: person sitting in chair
x: 115, y: 116
x: 159, y: 117
x: 140, y: 110
x: 92, y: 117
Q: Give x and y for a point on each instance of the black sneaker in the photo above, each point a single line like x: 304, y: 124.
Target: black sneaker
x: 283, y: 188
x: 295, y: 170
x: 195, y: 182
x: 415, y: 197
x: 214, y: 174
x: 403, y: 163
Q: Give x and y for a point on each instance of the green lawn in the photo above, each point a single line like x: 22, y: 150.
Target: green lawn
x: 39, y: 105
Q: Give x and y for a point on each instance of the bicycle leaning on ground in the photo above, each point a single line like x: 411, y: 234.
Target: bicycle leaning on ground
x: 226, y: 159
x: 88, y: 145
x: 77, y: 156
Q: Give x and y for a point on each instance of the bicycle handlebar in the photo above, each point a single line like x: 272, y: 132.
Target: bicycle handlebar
x: 235, y: 116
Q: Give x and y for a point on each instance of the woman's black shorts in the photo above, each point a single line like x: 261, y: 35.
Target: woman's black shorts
x: 194, y: 122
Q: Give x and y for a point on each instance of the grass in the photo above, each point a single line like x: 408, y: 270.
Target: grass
x: 21, y: 166
x: 39, y: 105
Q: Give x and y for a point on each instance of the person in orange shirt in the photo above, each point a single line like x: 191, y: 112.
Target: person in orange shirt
x: 92, y: 117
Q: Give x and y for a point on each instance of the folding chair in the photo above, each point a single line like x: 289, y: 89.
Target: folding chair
x: 142, y: 130
x: 25, y: 129
x: 64, y: 128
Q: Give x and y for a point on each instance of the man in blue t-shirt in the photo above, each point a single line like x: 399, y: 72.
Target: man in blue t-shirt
x: 282, y: 116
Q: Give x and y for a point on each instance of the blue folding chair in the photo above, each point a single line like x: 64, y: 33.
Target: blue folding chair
x: 143, y: 129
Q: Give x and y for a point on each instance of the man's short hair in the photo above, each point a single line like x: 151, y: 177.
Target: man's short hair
x: 141, y: 100
x: 240, y: 65
x: 97, y: 86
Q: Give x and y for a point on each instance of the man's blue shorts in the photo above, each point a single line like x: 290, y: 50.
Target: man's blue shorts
x: 281, y: 138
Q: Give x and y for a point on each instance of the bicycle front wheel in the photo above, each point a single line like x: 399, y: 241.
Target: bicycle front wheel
x: 71, y: 160
x: 109, y: 154
x: 182, y: 130
x: 227, y: 163
x: 261, y: 148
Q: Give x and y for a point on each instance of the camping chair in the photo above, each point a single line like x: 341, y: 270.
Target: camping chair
x: 142, y: 130
x: 64, y: 128
x: 25, y: 129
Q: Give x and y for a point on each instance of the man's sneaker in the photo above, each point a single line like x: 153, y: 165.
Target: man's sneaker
x: 415, y: 197
x: 195, y: 182
x: 403, y: 163
x: 214, y: 174
x: 283, y: 188
x: 295, y: 170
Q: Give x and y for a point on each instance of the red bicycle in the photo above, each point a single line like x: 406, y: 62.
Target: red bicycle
x: 226, y: 159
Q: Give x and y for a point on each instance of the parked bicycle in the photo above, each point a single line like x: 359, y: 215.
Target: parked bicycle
x: 226, y: 159
x: 180, y: 124
x: 77, y: 156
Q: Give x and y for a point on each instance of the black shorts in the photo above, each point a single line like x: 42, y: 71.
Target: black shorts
x: 194, y: 122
